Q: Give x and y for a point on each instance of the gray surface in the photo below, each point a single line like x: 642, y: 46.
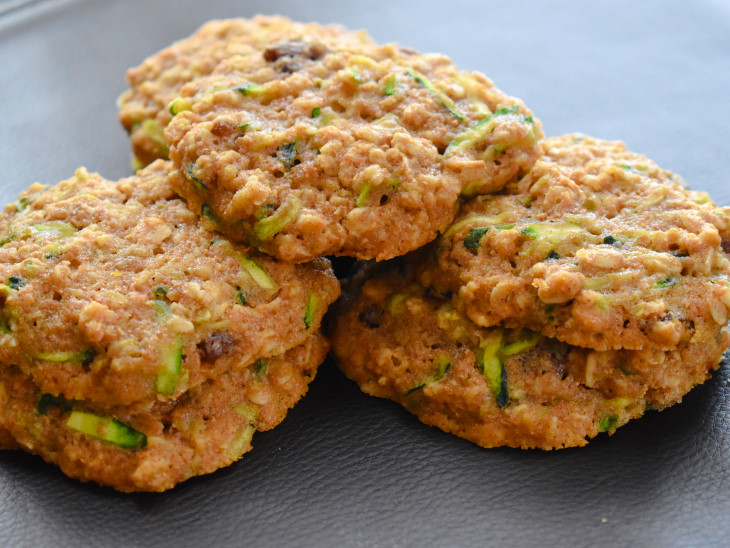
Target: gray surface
x: 344, y: 469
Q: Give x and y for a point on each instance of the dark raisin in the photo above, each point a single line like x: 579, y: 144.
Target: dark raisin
x: 215, y: 346
x: 370, y: 317
x: 288, y: 56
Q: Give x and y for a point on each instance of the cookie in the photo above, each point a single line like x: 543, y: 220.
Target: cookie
x: 501, y: 386
x: 357, y: 152
x: 596, y: 246
x: 209, y: 427
x: 114, y: 294
x: 145, y: 109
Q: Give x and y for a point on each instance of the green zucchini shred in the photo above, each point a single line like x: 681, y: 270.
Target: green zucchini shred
x: 66, y: 357
x: 163, y: 312
x: 504, y: 111
x: 250, y: 90
x: 60, y: 228
x: 243, y: 127
x: 473, y: 238
x: 106, y: 429
x: 444, y: 99
x: 200, y: 185
x: 362, y: 197
x: 260, y: 369
x: 390, y: 85
x: 667, y: 282
x: 5, y: 327
x: 553, y: 254
x: 178, y: 105
x: 287, y: 154
x: 266, y: 228
x: 530, y: 231
x: 474, y: 219
x: 248, y: 412
x: 160, y: 293
x: 489, y: 361
x: 52, y: 251
x: 21, y: 204
x: 156, y: 133
x: 442, y: 364
x: 265, y: 211
x: 207, y: 213
x: 356, y: 76
x: 241, y: 296
x: 608, y: 423
x: 9, y: 236
x: 258, y: 274
x: 316, y: 111
x: 310, y: 308
x: 482, y: 129
x: 521, y: 345
x: 16, y: 282
x: 168, y: 374
x: 629, y: 168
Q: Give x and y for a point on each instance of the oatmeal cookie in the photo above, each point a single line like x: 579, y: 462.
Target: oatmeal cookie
x: 502, y: 386
x: 208, y: 427
x: 355, y: 152
x: 596, y: 246
x: 145, y: 109
x: 113, y: 293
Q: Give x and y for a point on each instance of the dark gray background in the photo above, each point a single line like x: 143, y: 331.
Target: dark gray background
x: 345, y: 469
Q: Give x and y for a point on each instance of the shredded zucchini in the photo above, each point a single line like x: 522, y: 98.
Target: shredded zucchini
x: 106, y: 429
x: 443, y: 364
x: 189, y: 171
x: 444, y: 99
x: 287, y: 213
x: 258, y: 274
x: 310, y: 308
x: 66, y: 357
x: 60, y: 229
x: 473, y: 238
x: 168, y: 375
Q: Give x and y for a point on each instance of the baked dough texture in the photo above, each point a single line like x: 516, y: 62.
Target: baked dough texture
x: 597, y: 246
x: 144, y: 109
x: 502, y: 386
x: 306, y: 150
x: 137, y: 348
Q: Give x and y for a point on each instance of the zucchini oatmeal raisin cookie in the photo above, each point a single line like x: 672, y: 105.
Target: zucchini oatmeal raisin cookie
x: 356, y: 152
x: 145, y: 109
x: 500, y: 386
x: 596, y: 246
x: 206, y: 428
x: 114, y: 294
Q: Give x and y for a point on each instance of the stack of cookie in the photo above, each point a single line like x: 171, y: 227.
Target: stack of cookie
x: 593, y: 289
x: 529, y: 293
x: 139, y: 348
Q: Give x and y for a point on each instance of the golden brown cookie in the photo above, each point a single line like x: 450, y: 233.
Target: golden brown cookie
x: 359, y: 152
x: 145, y: 109
x: 500, y: 386
x: 208, y: 427
x: 596, y: 246
x: 113, y: 293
